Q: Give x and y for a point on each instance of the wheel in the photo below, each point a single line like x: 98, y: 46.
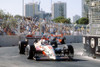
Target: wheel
x: 27, y: 50
x: 70, y: 51
x: 19, y: 46
x: 22, y: 46
x: 65, y: 50
x: 31, y: 52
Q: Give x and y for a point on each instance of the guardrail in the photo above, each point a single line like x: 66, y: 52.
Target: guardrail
x: 6, y: 40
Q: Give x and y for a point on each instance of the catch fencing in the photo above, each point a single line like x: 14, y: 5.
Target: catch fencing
x: 45, y: 28
x: 65, y: 29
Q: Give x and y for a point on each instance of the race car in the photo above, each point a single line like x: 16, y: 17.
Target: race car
x: 41, y: 49
x: 59, y: 38
x: 28, y: 40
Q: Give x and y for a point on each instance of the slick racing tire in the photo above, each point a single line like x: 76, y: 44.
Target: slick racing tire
x: 27, y: 49
x: 19, y: 46
x: 65, y: 50
x: 31, y: 51
x: 22, y: 46
x: 70, y: 51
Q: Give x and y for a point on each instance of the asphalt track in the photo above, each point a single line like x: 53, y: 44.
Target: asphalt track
x: 9, y: 57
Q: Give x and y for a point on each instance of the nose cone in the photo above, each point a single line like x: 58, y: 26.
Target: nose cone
x: 53, y: 57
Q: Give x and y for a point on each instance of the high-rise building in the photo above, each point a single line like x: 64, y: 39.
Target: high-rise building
x: 75, y: 18
x: 91, y: 9
x: 59, y: 9
x: 31, y: 9
x: 94, y: 16
x: 84, y: 9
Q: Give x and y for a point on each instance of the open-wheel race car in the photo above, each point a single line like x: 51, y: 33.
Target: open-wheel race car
x: 40, y: 48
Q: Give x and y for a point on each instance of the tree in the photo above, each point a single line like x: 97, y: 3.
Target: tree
x: 12, y: 22
x: 7, y: 16
x: 69, y: 20
x: 8, y: 20
x: 61, y: 20
x: 2, y: 14
x: 83, y: 20
x: 18, y: 16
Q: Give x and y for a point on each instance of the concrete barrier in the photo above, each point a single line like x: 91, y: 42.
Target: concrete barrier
x: 6, y: 40
x: 73, y: 39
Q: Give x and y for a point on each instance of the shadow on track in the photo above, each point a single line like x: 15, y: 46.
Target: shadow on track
x: 76, y: 60
x: 73, y: 60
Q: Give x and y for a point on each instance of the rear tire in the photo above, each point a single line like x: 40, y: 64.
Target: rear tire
x: 19, y: 46
x: 22, y: 46
x: 70, y: 51
x: 31, y: 51
x: 27, y: 50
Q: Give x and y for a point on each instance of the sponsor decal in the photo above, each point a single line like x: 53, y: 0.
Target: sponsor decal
x: 87, y: 42
x: 92, y: 42
x: 98, y: 41
x: 50, y: 47
x: 83, y: 40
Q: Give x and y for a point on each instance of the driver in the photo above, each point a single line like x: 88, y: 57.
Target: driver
x: 42, y: 41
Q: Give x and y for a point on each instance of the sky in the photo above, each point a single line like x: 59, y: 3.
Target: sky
x: 14, y: 7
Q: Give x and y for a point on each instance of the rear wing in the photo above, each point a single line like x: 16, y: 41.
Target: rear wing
x: 37, y: 37
x: 33, y: 37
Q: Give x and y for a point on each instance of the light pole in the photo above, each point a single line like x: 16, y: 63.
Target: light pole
x: 19, y: 21
x: 51, y: 3
x: 51, y: 9
x: 22, y: 9
x: 51, y: 16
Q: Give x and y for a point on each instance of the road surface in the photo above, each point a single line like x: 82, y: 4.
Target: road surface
x: 9, y: 57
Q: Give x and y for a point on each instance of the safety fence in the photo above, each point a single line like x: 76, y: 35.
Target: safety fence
x: 44, y: 28
x: 13, y: 40
x: 65, y: 29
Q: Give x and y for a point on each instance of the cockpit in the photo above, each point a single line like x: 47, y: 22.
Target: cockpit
x: 44, y: 42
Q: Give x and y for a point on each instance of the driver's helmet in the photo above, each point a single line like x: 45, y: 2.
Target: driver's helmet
x: 29, y: 33
x: 26, y: 39
x: 42, y: 41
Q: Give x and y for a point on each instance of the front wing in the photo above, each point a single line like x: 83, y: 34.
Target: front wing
x: 58, y: 58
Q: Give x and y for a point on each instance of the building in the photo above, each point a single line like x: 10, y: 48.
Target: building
x: 59, y: 9
x: 94, y: 11
x: 41, y: 14
x: 94, y: 16
x: 91, y: 10
x: 75, y: 18
x: 31, y: 9
x: 85, y: 9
